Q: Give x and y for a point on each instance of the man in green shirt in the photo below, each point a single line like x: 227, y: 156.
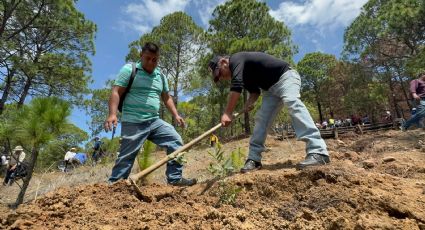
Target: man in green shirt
x: 140, y: 116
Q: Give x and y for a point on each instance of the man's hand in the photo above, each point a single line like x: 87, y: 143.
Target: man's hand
x: 416, y: 97
x: 111, y: 122
x: 114, y: 100
x: 226, y: 119
x: 13, y: 167
x: 180, y: 121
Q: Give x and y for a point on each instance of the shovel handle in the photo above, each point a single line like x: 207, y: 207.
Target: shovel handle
x: 174, y: 154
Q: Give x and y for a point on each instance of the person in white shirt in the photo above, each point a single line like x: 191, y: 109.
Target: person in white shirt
x: 4, y: 163
x: 69, y: 157
x: 4, y: 160
x: 17, y: 158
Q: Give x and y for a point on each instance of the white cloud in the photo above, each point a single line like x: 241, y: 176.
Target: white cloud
x: 325, y: 14
x: 205, y: 9
x: 141, y: 17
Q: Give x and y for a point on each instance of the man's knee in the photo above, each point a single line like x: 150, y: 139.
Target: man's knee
x: 291, y: 100
x: 292, y: 103
x: 177, y: 139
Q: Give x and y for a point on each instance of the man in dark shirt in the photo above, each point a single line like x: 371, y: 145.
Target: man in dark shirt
x: 417, y: 89
x: 256, y: 72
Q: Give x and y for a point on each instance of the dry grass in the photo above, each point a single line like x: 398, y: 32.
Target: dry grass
x: 45, y: 182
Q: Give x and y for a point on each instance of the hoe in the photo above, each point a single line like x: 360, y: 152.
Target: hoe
x: 176, y: 154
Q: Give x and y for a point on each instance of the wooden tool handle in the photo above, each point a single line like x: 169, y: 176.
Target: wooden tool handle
x: 174, y: 154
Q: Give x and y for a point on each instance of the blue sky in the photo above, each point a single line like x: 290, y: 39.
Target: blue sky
x: 316, y: 25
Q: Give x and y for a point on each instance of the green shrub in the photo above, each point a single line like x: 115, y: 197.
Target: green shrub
x: 222, y: 167
x: 144, y: 159
x: 238, y: 158
x: 227, y: 192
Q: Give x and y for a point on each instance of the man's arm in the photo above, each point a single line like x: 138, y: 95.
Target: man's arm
x: 226, y: 119
x: 114, y: 100
x: 413, y: 88
x: 415, y: 96
x: 21, y: 157
x: 169, y: 103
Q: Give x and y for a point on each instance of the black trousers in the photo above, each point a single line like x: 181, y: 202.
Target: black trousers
x: 9, y: 173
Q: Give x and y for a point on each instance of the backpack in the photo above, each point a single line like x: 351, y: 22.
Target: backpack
x: 130, y: 82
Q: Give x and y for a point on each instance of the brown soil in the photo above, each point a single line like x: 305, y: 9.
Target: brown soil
x: 375, y: 181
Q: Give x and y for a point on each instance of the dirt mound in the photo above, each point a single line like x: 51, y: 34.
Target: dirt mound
x: 389, y: 193
x: 332, y: 197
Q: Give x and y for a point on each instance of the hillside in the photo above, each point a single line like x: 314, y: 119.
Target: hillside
x: 374, y: 181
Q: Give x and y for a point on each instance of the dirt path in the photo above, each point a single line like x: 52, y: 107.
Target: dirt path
x: 374, y: 182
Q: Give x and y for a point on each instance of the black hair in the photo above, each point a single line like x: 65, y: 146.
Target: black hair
x: 151, y: 47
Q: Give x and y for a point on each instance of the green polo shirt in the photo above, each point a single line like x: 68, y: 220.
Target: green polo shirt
x: 144, y: 98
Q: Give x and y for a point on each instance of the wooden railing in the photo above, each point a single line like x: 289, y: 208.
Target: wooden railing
x: 335, y: 132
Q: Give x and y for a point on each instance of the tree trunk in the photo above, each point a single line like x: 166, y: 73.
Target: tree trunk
x: 197, y: 122
x: 176, y: 83
x: 6, y: 90
x: 25, y: 92
x: 246, y: 115
x: 27, y: 179
x: 175, y: 99
x: 392, y: 99
x: 222, y: 95
x: 406, y: 95
x: 319, y: 108
x: 231, y: 129
x: 7, y: 14
x: 221, y: 110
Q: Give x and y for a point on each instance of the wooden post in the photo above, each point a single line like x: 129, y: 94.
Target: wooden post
x: 360, y: 129
x: 336, y: 132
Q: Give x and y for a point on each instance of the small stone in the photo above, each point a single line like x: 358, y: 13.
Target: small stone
x: 308, y: 215
x: 351, y: 155
x: 368, y: 164
x: 321, y: 182
x: 388, y: 159
x: 341, y: 143
x: 241, y: 216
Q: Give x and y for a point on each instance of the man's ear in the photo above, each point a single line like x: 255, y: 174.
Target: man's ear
x: 224, y: 62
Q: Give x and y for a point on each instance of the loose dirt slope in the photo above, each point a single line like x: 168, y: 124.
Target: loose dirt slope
x: 374, y: 182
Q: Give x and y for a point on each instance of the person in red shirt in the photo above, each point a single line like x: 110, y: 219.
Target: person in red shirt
x: 417, y: 89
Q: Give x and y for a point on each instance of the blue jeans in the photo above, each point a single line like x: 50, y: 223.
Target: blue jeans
x: 420, y: 113
x: 134, y: 135
x: 285, y: 92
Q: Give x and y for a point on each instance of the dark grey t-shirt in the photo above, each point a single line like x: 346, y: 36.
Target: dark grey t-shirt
x: 254, y: 71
